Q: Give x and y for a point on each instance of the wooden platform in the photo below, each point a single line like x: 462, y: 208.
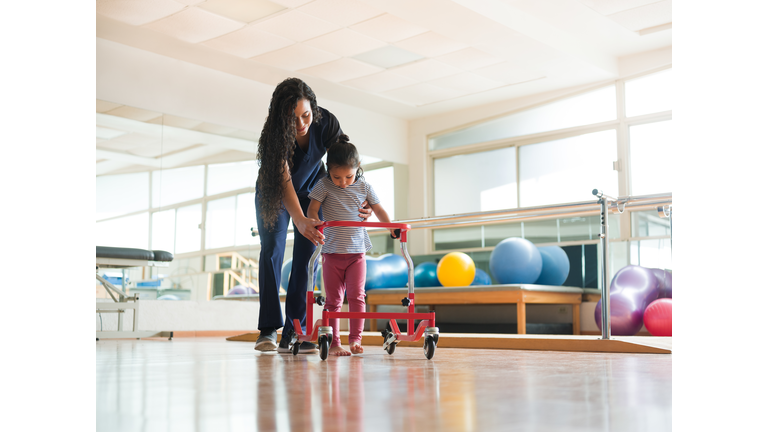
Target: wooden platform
x: 617, y: 344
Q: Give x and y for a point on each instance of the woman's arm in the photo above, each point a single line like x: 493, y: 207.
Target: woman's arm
x: 306, y: 226
x: 380, y: 213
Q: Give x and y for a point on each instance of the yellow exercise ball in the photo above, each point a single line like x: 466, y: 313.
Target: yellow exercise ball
x: 456, y: 269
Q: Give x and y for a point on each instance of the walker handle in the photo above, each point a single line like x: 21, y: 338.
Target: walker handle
x: 403, y: 228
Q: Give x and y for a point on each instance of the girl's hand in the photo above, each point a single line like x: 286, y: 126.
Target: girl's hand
x: 392, y: 233
x: 306, y: 227
x: 365, y: 211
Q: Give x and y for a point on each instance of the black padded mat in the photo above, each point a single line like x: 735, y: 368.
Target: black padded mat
x: 125, y: 253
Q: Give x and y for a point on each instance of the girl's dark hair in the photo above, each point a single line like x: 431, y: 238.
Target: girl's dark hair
x: 276, y: 143
x: 344, y: 154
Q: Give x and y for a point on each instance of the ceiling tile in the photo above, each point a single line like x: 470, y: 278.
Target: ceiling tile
x: 341, y: 70
x: 645, y: 16
x: 425, y: 70
x: 467, y: 82
x: 137, y: 12
x: 190, y: 2
x: 608, y: 7
x: 248, y: 42
x: 139, y: 140
x: 509, y: 73
x: 295, y: 57
x: 388, y: 56
x: 117, y: 146
x: 469, y: 59
x: 195, y: 25
x: 388, y: 28
x: 134, y: 113
x: 179, y: 122
x: 292, y: 3
x: 342, y: 12
x: 104, y: 106
x: 108, y: 133
x: 214, y: 129
x: 242, y: 10
x: 345, y: 42
x: 430, y: 44
x: 422, y: 94
x: 296, y: 26
x: 380, y: 82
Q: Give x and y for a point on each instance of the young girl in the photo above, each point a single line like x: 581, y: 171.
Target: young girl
x: 340, y: 193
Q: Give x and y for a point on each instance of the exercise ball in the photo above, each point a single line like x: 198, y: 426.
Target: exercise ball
x: 658, y: 317
x: 555, y: 266
x: 241, y: 290
x: 481, y: 278
x: 168, y: 297
x: 456, y: 269
x: 633, y: 288
x: 516, y: 261
x: 425, y: 275
x: 386, y: 271
x: 665, y: 282
x: 285, y: 274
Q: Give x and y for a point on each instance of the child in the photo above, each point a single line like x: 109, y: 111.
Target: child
x: 340, y: 193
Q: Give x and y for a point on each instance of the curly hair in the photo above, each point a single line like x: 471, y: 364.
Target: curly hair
x: 277, y: 142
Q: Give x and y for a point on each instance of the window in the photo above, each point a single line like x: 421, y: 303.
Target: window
x: 651, y: 148
x: 473, y: 182
x: 177, y: 185
x: 164, y: 230
x: 220, y: 223
x: 121, y: 194
x: 231, y: 176
x: 188, y: 220
x: 587, y: 108
x: 567, y: 170
x: 246, y: 219
x: 649, y: 94
x: 383, y: 182
x: 126, y: 232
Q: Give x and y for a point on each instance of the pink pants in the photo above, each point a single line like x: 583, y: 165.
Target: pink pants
x: 345, y: 273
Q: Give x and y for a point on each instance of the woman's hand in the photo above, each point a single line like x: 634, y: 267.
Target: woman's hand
x: 306, y: 227
x: 365, y: 210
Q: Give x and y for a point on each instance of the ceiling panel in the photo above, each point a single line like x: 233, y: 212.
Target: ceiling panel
x: 508, y: 73
x: 380, y: 82
x: 608, y: 7
x: 295, y: 57
x: 195, y: 25
x: 467, y: 82
x: 341, y: 70
x: 248, y: 42
x: 292, y: 3
x: 645, y: 16
x: 341, y: 12
x: 469, y: 59
x: 388, y: 56
x: 430, y: 44
x: 297, y: 26
x: 345, y: 42
x: 242, y: 10
x: 104, y: 106
x: 388, y: 28
x: 422, y: 94
x: 425, y: 70
x: 134, y: 113
x: 137, y: 12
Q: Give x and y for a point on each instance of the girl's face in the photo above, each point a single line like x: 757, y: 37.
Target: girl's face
x: 343, y: 176
x: 303, y: 113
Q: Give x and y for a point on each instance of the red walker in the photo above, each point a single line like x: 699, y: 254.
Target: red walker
x: 322, y: 330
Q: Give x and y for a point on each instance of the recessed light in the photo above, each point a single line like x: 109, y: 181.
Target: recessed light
x: 388, y: 56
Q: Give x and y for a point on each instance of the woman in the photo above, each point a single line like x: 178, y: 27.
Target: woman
x: 293, y: 141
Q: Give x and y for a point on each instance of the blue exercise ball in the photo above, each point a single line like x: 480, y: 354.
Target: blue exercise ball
x: 481, y: 278
x: 241, y: 290
x: 516, y: 261
x: 425, y: 275
x: 285, y: 274
x: 555, y: 266
x: 386, y: 271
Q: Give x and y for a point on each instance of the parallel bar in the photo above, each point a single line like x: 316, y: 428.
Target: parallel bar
x: 381, y: 315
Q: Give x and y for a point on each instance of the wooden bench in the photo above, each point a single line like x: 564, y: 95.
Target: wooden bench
x: 485, y: 294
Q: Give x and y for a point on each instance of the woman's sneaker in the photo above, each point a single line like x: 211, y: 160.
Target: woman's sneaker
x: 304, y: 348
x: 267, y: 340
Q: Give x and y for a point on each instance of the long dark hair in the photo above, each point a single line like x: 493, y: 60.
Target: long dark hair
x: 276, y: 144
x: 344, y: 154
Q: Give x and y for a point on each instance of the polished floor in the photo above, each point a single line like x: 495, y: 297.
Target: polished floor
x: 210, y: 384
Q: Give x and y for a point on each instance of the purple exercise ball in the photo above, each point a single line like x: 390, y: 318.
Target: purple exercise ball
x: 241, y: 290
x: 665, y: 282
x: 633, y: 288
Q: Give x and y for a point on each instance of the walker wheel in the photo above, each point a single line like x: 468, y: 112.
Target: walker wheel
x: 391, y: 348
x: 324, y: 346
x: 429, y: 347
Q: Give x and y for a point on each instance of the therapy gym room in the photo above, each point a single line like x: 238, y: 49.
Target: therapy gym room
x: 385, y: 215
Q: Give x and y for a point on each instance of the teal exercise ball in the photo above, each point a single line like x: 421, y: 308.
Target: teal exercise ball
x: 425, y: 275
x: 285, y: 274
x: 516, y: 261
x: 555, y: 266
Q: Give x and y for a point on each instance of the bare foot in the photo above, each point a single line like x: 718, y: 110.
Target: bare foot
x: 356, y: 348
x: 338, y: 351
